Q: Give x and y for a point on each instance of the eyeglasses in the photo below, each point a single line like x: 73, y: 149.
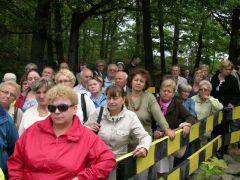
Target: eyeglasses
x: 60, y: 107
x: 8, y: 93
x: 202, y: 89
x: 63, y: 81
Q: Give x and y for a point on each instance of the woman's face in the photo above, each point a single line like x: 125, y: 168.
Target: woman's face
x: 7, y: 95
x: 63, y: 118
x: 115, y: 104
x: 167, y: 93
x: 25, y: 86
x: 138, y: 82
x: 64, y: 80
x: 120, y: 67
x: 198, y: 77
x: 32, y: 76
x: 94, y: 86
x: 226, y: 71
x: 204, y: 91
x: 40, y: 96
x: 184, y: 95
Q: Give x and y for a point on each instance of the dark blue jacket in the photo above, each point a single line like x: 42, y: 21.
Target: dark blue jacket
x: 8, y: 138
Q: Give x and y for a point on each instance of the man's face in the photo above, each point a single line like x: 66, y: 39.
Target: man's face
x: 112, y: 70
x: 86, y: 75
x: 120, y: 79
x: 175, y: 71
x: 47, y: 72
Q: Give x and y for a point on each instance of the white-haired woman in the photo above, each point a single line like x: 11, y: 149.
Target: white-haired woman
x: 205, y: 105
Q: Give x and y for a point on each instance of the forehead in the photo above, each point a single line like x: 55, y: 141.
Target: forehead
x: 48, y: 69
x: 61, y: 100
x: 120, y: 75
x: 8, y: 87
x: 33, y: 74
x: 175, y: 68
x: 112, y: 66
x: 62, y: 76
x: 167, y: 88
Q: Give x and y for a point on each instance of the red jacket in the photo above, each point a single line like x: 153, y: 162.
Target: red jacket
x: 39, y: 154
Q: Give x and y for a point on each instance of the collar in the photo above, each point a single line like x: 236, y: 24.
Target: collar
x: 73, y: 134
x: 117, y: 117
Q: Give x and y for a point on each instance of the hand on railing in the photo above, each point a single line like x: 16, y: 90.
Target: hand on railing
x: 140, y: 152
x: 185, y: 127
x: 169, y: 132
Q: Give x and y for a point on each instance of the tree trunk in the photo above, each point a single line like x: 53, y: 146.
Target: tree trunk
x: 138, y: 30
x: 234, y: 47
x: 58, y: 30
x: 147, y: 38
x: 161, y: 36
x: 40, y: 35
x: 73, y: 43
x: 175, y: 42
x: 84, y: 45
x: 200, y: 44
x: 103, y: 37
x: 49, y: 60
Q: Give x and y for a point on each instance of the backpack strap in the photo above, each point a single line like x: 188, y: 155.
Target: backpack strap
x: 84, y: 108
x: 100, y: 115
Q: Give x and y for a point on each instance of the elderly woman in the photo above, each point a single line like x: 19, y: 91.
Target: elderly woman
x: 117, y: 124
x: 25, y: 101
x: 95, y: 88
x: 40, y: 111
x: 176, y: 115
x: 85, y: 104
x: 145, y: 104
x: 8, y: 131
x: 225, y: 89
x: 60, y: 147
x: 205, y: 105
x: 9, y: 93
x: 183, y: 95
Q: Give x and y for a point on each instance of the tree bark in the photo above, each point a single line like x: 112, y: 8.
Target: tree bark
x: 147, y: 38
x: 138, y: 30
x: 40, y: 35
x: 161, y: 36
x: 58, y: 30
x: 200, y: 44
x: 234, y: 46
x: 175, y: 42
x: 73, y: 42
x: 103, y: 37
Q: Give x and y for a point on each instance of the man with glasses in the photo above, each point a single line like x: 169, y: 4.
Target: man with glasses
x: 111, y: 73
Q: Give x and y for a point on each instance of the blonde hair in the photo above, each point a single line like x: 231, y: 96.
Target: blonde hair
x: 12, y: 84
x: 61, y: 91
x: 67, y: 73
x: 42, y: 82
x: 169, y: 83
x: 226, y: 63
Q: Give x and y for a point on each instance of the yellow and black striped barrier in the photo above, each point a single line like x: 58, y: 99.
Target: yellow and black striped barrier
x: 129, y: 166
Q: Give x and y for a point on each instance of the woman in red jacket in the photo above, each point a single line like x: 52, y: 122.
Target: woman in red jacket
x: 59, y: 147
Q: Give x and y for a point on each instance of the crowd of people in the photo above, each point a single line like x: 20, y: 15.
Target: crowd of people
x: 65, y: 126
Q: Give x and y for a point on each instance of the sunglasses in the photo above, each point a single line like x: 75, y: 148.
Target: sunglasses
x: 60, y: 107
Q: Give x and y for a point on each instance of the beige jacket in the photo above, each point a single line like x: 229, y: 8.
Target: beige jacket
x: 115, y: 131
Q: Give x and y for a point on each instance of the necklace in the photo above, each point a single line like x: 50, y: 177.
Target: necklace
x: 132, y: 103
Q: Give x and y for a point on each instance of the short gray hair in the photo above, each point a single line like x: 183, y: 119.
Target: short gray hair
x: 205, y: 82
x: 184, y: 88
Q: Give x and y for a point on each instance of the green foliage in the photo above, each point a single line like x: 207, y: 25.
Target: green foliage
x: 214, y: 166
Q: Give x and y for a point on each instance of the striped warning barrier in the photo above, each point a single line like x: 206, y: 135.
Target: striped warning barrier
x: 128, y: 166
